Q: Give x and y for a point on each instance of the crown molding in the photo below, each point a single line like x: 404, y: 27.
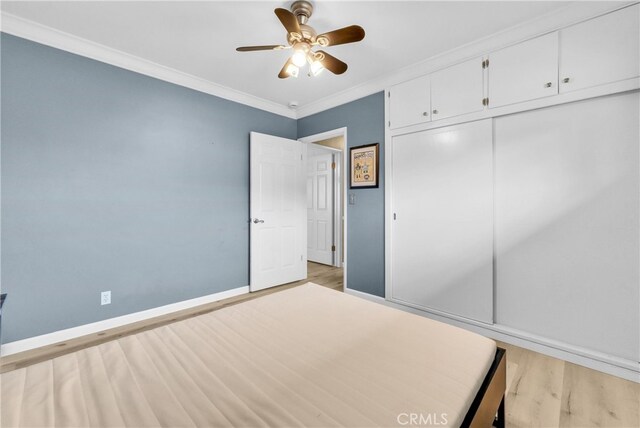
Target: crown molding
x: 42, y: 34
x: 571, y: 14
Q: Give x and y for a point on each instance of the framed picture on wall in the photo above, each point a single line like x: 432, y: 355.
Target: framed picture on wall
x: 364, y: 166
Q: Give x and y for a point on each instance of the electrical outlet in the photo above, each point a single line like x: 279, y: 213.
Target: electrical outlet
x: 105, y: 298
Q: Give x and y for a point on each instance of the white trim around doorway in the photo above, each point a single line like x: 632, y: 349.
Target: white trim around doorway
x: 341, y: 194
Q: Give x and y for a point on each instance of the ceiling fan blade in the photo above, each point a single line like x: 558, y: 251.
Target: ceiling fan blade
x: 332, y: 63
x: 289, y: 20
x: 283, y: 73
x: 351, y: 34
x: 260, y: 48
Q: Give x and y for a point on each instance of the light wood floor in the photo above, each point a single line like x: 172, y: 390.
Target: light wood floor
x: 541, y: 391
x: 547, y: 392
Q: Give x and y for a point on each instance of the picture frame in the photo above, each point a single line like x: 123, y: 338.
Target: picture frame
x: 364, y: 166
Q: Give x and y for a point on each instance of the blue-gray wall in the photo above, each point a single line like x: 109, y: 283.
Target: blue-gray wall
x: 364, y: 119
x: 112, y: 180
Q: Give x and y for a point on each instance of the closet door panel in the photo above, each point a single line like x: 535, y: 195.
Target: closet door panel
x: 442, y: 235
x: 567, y: 223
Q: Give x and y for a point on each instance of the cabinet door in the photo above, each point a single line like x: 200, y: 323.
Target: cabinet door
x: 409, y: 103
x: 457, y: 90
x: 442, y: 232
x: 524, y: 72
x: 602, y: 50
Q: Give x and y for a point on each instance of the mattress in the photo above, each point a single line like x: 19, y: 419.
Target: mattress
x: 307, y: 356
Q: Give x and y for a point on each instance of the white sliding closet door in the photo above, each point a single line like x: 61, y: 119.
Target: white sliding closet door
x: 567, y: 230
x: 442, y: 235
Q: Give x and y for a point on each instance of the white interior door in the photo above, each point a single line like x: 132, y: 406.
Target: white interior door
x: 320, y: 214
x: 442, y: 228
x: 278, y: 214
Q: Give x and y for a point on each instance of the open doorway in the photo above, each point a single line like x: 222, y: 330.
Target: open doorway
x: 326, y: 202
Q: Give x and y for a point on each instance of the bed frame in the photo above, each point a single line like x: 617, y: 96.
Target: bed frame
x: 487, y: 409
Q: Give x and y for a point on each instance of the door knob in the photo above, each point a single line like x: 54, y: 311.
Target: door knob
x: 256, y: 221
x: 424, y: 113
x: 565, y: 80
x: 435, y: 112
x: 548, y: 85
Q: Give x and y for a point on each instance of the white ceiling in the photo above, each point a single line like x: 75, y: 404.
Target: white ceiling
x: 199, y: 38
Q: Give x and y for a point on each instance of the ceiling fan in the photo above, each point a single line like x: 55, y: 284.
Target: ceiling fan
x: 302, y: 38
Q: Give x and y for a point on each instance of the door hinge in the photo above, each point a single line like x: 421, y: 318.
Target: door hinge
x: 485, y: 101
x: 333, y: 248
x: 389, y: 94
x: 333, y: 165
x: 485, y: 63
x: 389, y: 124
x: 300, y: 156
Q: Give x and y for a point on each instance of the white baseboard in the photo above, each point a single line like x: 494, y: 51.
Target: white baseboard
x: 623, y: 368
x: 619, y: 367
x: 86, y: 329
x: 365, y: 296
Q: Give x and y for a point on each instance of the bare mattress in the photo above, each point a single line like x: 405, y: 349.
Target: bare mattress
x: 307, y: 356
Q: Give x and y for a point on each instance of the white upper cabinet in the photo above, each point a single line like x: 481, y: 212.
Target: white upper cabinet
x: 409, y: 103
x: 524, y: 72
x: 457, y: 90
x: 601, y: 50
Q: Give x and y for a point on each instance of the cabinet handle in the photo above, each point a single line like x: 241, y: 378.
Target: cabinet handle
x: 548, y: 85
x: 435, y: 112
x: 424, y: 113
x: 565, y: 80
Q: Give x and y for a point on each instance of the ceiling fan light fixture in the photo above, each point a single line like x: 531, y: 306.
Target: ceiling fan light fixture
x: 315, y: 68
x: 301, y: 37
x: 292, y: 70
x: 300, y: 52
x: 299, y: 59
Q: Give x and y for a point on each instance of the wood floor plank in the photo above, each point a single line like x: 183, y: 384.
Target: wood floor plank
x: 591, y: 398
x: 512, y: 369
x: 534, y: 395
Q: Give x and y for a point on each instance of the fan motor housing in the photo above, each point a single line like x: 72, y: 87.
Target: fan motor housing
x: 308, y: 33
x: 302, y: 9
